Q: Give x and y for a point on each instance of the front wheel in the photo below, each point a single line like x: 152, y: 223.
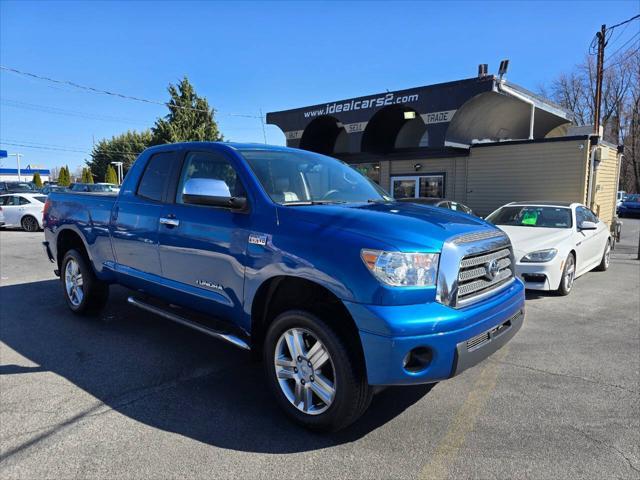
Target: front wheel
x: 318, y: 382
x: 568, y: 275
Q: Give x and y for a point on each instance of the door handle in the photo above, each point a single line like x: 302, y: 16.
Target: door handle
x: 169, y: 222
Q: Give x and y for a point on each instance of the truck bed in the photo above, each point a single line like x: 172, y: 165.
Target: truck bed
x: 88, y: 213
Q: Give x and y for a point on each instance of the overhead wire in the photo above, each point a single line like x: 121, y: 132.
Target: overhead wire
x: 119, y: 95
x: 612, y: 57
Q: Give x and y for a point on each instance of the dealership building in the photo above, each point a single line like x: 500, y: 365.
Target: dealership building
x: 24, y: 174
x: 481, y: 141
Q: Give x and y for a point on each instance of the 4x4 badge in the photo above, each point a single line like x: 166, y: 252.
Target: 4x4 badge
x: 258, y: 239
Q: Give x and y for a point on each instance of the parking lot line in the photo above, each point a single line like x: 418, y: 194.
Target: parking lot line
x: 465, y: 419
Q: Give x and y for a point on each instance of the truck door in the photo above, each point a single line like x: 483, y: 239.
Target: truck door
x: 135, y: 219
x: 202, y: 247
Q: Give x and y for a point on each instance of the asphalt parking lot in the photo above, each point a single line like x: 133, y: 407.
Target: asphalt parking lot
x: 129, y: 395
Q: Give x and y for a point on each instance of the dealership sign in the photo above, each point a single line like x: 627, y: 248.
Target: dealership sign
x: 438, y: 117
x: 314, y: 126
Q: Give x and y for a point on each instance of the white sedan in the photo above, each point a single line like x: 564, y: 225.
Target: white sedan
x: 554, y: 242
x: 22, y: 210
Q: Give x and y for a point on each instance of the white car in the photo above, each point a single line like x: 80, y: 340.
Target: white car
x: 554, y: 242
x: 22, y: 210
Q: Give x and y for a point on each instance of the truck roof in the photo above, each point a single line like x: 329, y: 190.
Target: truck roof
x: 232, y: 145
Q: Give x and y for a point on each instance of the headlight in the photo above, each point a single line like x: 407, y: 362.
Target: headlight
x: 402, y: 269
x: 540, y: 256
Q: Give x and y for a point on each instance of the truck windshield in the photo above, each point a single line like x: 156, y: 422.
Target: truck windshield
x: 303, y: 178
x: 549, y: 217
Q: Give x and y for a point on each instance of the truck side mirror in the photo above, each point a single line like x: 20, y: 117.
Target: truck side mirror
x: 210, y: 191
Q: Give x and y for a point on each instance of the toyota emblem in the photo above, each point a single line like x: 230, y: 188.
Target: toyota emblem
x: 492, y: 269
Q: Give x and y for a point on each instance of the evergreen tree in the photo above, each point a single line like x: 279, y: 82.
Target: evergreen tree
x: 86, y: 177
x: 190, y: 118
x: 111, y: 176
x: 64, y: 178
x: 120, y: 148
x: 37, y: 180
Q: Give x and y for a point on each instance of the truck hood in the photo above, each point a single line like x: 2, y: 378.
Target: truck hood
x: 405, y: 226
x: 529, y: 239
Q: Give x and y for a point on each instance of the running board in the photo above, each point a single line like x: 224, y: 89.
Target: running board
x: 238, y: 342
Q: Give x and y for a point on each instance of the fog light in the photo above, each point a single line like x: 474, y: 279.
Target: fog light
x: 417, y: 359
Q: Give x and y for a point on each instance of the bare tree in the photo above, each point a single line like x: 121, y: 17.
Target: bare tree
x: 619, y: 110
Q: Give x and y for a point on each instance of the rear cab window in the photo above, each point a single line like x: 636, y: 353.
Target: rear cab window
x: 155, y: 178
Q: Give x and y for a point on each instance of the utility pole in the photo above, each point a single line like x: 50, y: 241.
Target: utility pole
x: 599, y: 73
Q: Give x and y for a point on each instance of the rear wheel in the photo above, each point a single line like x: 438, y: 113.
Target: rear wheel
x: 29, y: 223
x: 84, y: 293
x: 606, y: 258
x: 316, y: 379
x: 568, y: 275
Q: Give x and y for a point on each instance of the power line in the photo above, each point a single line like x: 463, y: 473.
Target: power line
x: 626, y: 21
x: 630, y: 40
x: 56, y: 148
x: 116, y: 94
x: 60, y: 111
x: 608, y: 32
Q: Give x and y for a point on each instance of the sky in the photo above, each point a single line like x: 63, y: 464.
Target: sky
x: 252, y: 57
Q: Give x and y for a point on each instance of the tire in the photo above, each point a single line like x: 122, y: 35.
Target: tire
x: 83, y: 292
x: 568, y: 275
x: 29, y: 223
x: 606, y: 258
x: 328, y: 389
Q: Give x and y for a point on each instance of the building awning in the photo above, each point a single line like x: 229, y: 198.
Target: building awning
x: 454, y: 114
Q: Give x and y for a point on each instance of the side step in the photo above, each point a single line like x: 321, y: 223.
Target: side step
x: 237, y: 341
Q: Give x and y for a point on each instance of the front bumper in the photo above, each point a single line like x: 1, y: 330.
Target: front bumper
x: 389, y: 333
x: 541, y: 276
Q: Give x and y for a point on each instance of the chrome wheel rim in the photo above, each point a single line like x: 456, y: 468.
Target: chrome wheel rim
x: 569, y: 274
x: 607, y: 255
x: 305, y: 371
x: 73, y: 283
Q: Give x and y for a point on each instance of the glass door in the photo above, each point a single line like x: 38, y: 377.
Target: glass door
x: 414, y: 186
x: 404, y: 187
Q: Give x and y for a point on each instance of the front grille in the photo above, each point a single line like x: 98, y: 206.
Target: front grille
x: 476, y: 236
x: 482, y: 273
x: 477, y: 340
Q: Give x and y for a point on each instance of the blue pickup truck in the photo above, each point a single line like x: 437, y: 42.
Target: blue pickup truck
x: 298, y: 258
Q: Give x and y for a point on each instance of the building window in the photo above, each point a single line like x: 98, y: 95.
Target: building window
x: 371, y: 170
x: 414, y: 186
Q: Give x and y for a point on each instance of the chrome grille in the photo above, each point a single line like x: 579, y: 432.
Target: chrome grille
x: 484, y: 337
x: 476, y: 236
x: 477, y: 340
x: 475, y: 280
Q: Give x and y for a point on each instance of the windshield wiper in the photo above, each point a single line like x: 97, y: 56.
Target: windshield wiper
x: 313, y: 202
